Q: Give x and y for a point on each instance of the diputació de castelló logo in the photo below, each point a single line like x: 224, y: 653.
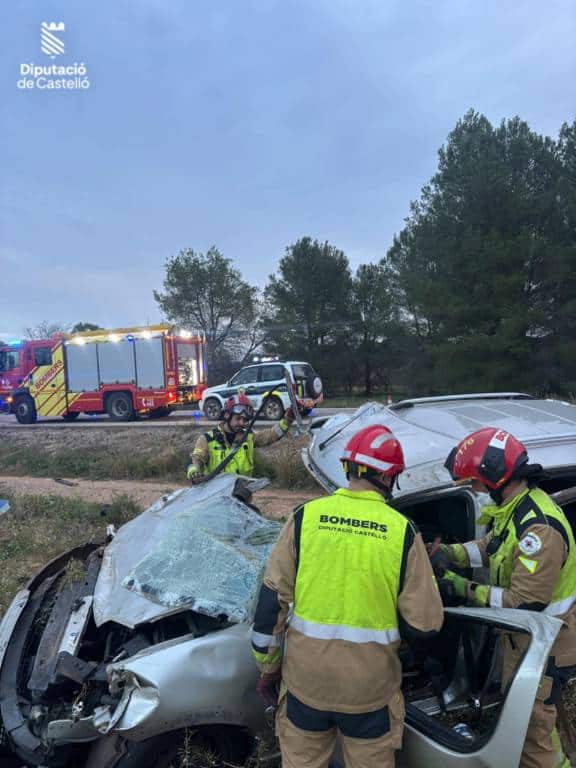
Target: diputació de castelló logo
x: 53, y: 77
x: 50, y: 44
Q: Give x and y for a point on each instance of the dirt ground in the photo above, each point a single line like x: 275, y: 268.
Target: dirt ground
x: 273, y: 502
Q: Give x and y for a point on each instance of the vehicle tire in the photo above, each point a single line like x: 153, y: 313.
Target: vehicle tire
x: 119, y: 407
x: 159, y: 413
x: 273, y: 409
x: 25, y: 410
x: 314, y: 386
x: 227, y: 744
x: 212, y: 409
x: 71, y: 416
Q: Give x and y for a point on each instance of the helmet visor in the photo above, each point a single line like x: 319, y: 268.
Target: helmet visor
x: 245, y: 411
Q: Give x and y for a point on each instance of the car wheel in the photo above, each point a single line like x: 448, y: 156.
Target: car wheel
x: 314, y: 386
x: 273, y: 409
x: 71, y: 416
x: 25, y: 410
x: 119, y: 407
x: 212, y: 409
x: 214, y: 746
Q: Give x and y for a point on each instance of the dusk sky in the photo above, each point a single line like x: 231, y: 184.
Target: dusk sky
x: 245, y: 124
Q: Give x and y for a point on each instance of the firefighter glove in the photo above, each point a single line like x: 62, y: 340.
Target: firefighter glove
x: 458, y: 583
x: 439, y: 559
x: 268, y: 687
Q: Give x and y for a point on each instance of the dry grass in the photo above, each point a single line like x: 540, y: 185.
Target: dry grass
x: 282, y: 464
x: 96, y: 455
x: 193, y: 753
x: 567, y: 720
x: 38, y: 528
x: 100, y: 463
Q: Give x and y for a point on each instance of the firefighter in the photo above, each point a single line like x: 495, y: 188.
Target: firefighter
x: 212, y: 447
x: 359, y: 578
x: 531, y: 553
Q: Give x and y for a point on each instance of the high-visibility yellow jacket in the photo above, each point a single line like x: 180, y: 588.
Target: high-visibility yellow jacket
x: 359, y: 578
x: 212, y: 447
x: 531, y: 554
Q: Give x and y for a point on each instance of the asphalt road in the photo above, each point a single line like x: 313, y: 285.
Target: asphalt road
x: 177, y: 418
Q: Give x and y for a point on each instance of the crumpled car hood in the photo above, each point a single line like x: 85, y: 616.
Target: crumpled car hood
x: 200, y: 549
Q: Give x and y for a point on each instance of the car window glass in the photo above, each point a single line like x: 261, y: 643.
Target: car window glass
x: 302, y: 371
x: 43, y: 356
x: 9, y: 360
x: 271, y: 372
x: 245, y: 376
x: 210, y: 558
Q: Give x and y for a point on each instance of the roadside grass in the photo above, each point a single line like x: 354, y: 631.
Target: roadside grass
x: 281, y: 463
x: 284, y: 468
x: 95, y: 463
x: 38, y: 528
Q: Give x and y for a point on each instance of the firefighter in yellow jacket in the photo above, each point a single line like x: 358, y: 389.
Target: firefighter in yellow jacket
x: 531, y: 554
x: 212, y: 447
x: 359, y: 578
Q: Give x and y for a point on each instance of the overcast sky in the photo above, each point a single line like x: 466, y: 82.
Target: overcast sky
x: 243, y: 123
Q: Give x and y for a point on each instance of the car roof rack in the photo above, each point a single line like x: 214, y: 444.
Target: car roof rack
x: 411, y: 403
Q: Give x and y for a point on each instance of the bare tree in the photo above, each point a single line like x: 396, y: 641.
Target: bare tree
x: 45, y: 330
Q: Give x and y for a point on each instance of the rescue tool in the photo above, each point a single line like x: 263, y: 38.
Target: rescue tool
x: 224, y: 463
x: 294, y: 403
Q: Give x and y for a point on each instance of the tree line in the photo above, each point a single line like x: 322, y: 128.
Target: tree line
x: 476, y: 293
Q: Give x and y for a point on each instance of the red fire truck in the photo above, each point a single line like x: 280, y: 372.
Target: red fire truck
x: 123, y: 372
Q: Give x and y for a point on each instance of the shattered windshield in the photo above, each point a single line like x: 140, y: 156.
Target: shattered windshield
x: 209, y: 558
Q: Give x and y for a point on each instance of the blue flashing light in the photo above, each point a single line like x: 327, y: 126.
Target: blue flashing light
x: 129, y: 337
x: 14, y: 343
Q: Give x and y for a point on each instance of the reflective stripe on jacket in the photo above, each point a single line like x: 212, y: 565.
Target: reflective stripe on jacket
x: 531, y: 555
x: 519, y: 526
x: 219, y: 448
x: 358, y: 576
x: 212, y: 447
x: 360, y: 545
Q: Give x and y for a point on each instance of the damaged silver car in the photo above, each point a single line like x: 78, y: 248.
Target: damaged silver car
x: 123, y: 655
x: 127, y: 655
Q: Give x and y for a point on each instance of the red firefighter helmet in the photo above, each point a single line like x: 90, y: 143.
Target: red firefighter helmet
x: 490, y: 455
x: 376, y: 448
x: 239, y: 404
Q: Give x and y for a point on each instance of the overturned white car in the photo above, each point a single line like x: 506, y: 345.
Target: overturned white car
x: 123, y: 655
